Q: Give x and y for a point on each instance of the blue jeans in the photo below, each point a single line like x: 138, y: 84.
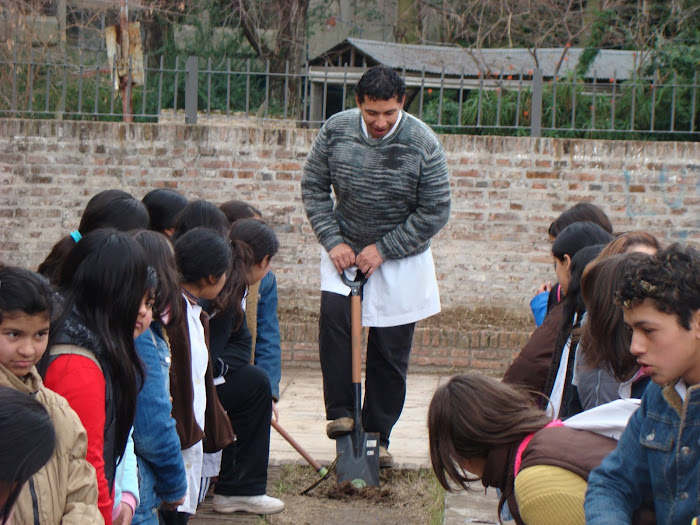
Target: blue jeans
x: 147, y: 511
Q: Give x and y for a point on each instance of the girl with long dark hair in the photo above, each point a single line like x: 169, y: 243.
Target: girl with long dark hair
x: 107, y: 209
x: 602, y: 347
x: 162, y: 480
x: 163, y: 205
x: 244, y: 389
x: 560, y: 393
x: 200, y: 214
x: 91, y: 360
x: 605, y: 368
x: 203, y: 258
x: 539, y: 359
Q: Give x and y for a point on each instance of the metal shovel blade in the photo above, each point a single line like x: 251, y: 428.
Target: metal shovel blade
x: 358, y: 458
x: 357, y: 452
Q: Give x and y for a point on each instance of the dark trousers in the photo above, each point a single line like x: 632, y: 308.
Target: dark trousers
x: 247, y: 398
x: 172, y: 517
x: 388, y: 351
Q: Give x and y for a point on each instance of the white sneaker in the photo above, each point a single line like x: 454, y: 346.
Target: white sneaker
x: 253, y: 504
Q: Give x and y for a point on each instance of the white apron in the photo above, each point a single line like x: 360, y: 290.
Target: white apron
x: 399, y: 292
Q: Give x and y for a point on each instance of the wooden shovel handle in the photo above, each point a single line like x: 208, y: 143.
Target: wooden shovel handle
x: 356, y: 333
x: 310, y: 460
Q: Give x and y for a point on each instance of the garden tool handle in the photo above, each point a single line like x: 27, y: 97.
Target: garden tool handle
x: 356, y: 336
x: 356, y: 322
x: 356, y: 285
x: 293, y: 442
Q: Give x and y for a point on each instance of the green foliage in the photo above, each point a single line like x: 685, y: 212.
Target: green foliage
x: 679, y: 57
x: 218, y: 51
x: 571, y: 108
x: 43, y: 90
x: 70, y: 91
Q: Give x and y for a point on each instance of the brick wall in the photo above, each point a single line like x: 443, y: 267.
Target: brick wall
x: 440, y: 349
x: 494, y: 251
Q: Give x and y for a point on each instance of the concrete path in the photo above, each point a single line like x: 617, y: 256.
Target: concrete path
x: 302, y: 414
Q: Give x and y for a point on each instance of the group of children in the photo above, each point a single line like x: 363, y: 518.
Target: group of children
x: 128, y: 376
x: 136, y: 365
x: 596, y: 420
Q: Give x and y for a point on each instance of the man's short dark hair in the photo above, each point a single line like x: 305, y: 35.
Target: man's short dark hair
x: 670, y: 280
x: 380, y: 83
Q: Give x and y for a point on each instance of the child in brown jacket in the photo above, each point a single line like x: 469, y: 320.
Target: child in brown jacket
x: 64, y: 491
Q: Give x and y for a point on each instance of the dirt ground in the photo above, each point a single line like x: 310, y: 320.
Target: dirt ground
x: 404, y: 497
x: 459, y: 318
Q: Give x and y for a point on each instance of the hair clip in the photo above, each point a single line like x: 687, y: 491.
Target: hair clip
x: 76, y: 236
x: 647, y: 286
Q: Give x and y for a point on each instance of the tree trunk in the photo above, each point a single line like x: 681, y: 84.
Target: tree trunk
x: 291, y: 48
x: 289, y: 45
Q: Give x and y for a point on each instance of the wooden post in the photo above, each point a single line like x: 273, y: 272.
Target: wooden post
x: 61, y: 15
x: 125, y: 80
x: 536, y: 109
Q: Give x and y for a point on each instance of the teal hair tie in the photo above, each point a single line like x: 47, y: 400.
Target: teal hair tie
x: 76, y: 236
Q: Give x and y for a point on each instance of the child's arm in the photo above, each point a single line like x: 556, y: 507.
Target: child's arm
x: 622, y: 482
x: 81, y: 482
x: 268, y: 354
x: 126, y: 484
x: 81, y: 382
x: 155, y: 437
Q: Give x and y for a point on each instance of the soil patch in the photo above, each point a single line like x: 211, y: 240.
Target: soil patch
x: 457, y: 318
x: 404, y: 497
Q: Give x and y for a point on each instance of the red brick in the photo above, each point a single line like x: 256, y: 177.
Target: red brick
x: 465, y: 173
x: 541, y: 175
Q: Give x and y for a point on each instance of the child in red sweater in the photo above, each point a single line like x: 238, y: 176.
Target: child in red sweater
x: 92, y: 361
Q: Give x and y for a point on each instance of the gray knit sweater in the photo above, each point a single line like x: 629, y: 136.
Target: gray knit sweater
x: 393, y: 192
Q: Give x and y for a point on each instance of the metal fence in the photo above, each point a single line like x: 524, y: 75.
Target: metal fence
x: 525, y: 103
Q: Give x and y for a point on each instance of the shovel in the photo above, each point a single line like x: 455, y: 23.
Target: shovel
x: 358, y: 452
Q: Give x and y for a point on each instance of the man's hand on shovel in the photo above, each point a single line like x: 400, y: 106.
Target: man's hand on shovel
x: 342, y: 257
x: 369, y: 259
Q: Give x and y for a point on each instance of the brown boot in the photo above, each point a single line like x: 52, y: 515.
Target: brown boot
x: 339, y: 427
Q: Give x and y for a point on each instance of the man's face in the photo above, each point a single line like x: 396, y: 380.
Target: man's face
x: 664, y: 349
x: 380, y: 115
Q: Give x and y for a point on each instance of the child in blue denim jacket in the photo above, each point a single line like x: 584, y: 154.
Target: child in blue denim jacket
x: 657, y: 460
x: 161, y: 469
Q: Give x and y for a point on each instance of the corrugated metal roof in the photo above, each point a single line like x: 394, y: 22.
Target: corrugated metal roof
x: 471, y: 62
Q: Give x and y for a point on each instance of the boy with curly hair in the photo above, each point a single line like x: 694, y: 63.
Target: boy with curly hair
x: 657, y: 460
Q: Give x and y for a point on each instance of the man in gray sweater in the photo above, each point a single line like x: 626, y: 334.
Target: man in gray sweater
x: 389, y: 175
